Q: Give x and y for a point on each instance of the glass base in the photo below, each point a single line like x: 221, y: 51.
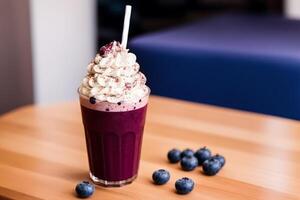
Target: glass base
x: 105, y: 183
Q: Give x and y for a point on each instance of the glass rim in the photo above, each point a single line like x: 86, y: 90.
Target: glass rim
x: 98, y: 101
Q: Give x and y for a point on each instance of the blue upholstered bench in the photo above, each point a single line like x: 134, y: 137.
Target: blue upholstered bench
x: 244, y: 62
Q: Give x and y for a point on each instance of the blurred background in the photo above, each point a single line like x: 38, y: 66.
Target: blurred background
x: 242, y: 54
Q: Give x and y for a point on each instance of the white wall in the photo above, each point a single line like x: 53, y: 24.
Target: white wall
x: 63, y: 41
x: 292, y: 9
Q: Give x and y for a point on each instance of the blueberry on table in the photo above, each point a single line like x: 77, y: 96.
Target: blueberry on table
x: 211, y: 166
x: 184, y: 185
x: 189, y: 163
x: 220, y: 158
x: 187, y: 152
x: 174, y: 156
x: 202, y: 155
x: 161, y: 176
x: 84, y: 189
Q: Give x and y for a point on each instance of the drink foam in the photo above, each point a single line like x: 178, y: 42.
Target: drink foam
x: 113, y: 77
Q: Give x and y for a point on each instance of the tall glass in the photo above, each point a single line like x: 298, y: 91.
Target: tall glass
x: 114, y: 133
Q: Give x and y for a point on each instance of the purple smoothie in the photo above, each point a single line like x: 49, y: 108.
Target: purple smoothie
x: 114, y: 141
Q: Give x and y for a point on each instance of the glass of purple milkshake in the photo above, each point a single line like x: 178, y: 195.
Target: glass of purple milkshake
x: 113, y: 98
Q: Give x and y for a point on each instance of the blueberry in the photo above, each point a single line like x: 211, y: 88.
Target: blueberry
x: 211, y: 166
x: 161, y: 176
x: 92, y: 100
x: 174, y: 156
x: 202, y: 155
x: 189, y: 163
x: 184, y: 185
x: 84, y: 189
x: 104, y: 50
x: 187, y: 152
x: 220, y: 158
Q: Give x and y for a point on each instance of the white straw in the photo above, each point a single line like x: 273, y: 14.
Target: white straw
x: 126, y: 26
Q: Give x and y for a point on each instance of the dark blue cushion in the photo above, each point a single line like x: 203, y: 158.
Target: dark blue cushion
x: 245, y: 62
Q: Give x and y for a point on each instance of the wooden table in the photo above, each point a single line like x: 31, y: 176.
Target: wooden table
x: 43, y: 154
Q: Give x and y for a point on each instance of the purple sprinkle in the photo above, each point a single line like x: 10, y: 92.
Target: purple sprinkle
x: 140, y: 100
x: 107, y: 109
x: 133, y: 107
x: 119, y: 103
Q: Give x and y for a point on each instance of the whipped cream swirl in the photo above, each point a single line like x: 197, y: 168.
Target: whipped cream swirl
x: 114, y: 76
